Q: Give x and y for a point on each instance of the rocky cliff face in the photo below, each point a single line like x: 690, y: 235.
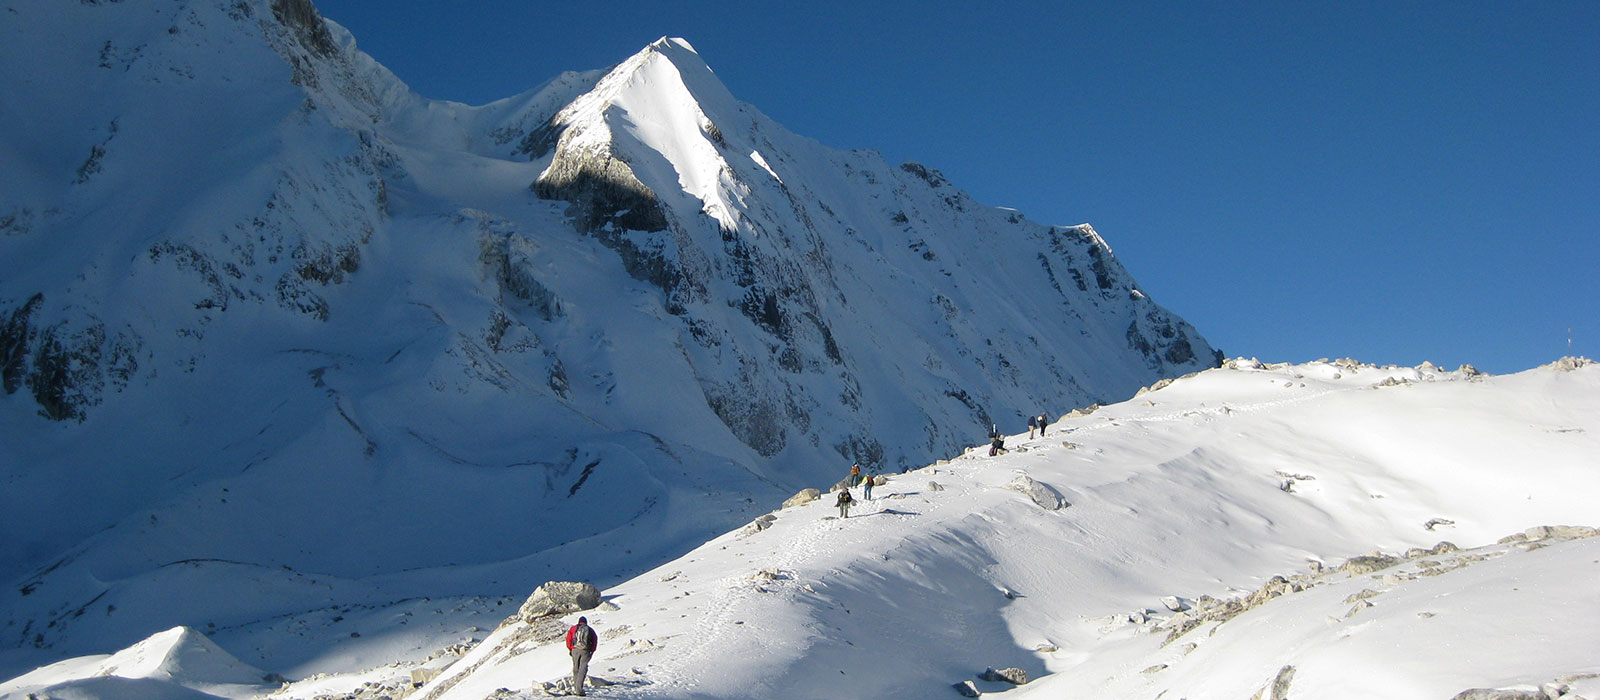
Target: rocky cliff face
x: 245, y: 256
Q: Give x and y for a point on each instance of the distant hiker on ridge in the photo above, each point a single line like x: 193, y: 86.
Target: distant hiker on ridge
x: 581, y: 642
x: 1042, y: 421
x: 855, y: 474
x: 844, y: 503
x: 867, y: 487
x: 1033, y: 422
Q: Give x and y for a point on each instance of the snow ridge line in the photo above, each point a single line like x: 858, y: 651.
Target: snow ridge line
x: 1220, y: 411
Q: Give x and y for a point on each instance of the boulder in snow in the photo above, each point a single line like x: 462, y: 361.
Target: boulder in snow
x: 1014, y: 676
x: 1496, y: 694
x: 1042, y: 494
x: 559, y: 598
x: 1369, y: 563
x: 803, y: 497
x: 1560, y: 532
x: 968, y: 689
x: 761, y: 523
x: 1570, y: 364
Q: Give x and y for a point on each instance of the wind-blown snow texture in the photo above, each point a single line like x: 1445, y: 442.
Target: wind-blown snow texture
x: 269, y: 321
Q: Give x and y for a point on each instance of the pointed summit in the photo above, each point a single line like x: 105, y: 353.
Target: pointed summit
x: 646, y: 126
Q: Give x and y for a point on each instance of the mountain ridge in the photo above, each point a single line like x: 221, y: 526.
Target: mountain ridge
x: 303, y: 300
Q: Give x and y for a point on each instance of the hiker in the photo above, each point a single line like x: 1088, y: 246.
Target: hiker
x: 581, y: 641
x: 997, y: 444
x: 855, y: 474
x: 1033, y: 422
x: 1042, y: 423
x: 867, y: 486
x: 844, y: 503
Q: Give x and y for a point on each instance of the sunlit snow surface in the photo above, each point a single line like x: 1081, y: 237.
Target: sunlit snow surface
x: 1179, y: 493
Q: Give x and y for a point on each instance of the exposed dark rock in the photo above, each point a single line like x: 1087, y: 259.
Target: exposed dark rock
x: 91, y: 165
x: 751, y: 418
x: 327, y: 265
x: 539, y: 142
x: 16, y: 222
x: 603, y: 192
x: 761, y: 307
x: 1179, y: 352
x: 16, y: 335
x: 301, y: 17
x: 1103, y: 276
x: 557, y: 379
x: 511, y: 270
x: 933, y: 177
x: 65, y: 369
x: 1014, y: 676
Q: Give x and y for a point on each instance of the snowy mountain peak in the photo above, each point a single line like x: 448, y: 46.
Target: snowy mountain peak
x: 616, y: 312
x: 643, y: 128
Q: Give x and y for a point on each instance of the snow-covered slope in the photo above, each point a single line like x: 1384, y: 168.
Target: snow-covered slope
x: 1193, y: 496
x: 1329, y: 530
x: 270, y: 321
x: 177, y: 663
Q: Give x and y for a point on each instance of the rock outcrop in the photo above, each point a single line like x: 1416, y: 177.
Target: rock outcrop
x: 559, y: 598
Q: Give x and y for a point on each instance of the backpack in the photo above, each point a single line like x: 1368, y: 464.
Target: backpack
x: 582, y: 637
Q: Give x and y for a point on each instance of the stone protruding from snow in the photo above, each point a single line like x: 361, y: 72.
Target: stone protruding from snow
x: 1081, y: 412
x: 761, y: 523
x: 1158, y: 386
x: 1369, y: 563
x: 559, y: 598
x: 1041, y: 493
x: 1278, y: 689
x: 968, y: 689
x: 1013, y: 675
x: 1569, y: 364
x: 803, y: 497
x: 1495, y: 694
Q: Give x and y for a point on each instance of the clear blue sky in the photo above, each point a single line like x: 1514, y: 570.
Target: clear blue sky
x: 1390, y: 181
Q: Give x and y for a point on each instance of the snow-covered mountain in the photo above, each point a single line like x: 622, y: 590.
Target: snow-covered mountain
x: 1320, y: 531
x: 278, y: 334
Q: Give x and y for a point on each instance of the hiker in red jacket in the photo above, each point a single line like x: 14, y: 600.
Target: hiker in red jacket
x: 581, y: 641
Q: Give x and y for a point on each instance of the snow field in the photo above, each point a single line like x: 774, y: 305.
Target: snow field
x: 1183, y: 497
